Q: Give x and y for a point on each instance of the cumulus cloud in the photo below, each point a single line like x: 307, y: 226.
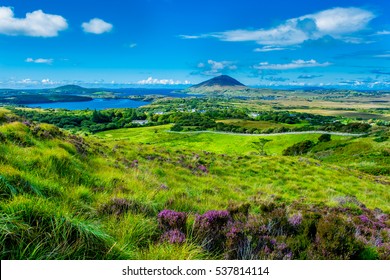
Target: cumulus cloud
x: 214, y: 68
x: 35, y: 24
x: 40, y: 60
x: 152, y: 81
x: 295, y: 64
x: 338, y: 23
x: 97, y: 26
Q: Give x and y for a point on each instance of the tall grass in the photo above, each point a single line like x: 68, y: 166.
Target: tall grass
x: 63, y: 197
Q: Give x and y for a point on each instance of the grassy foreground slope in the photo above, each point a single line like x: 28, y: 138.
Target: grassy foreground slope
x: 68, y: 197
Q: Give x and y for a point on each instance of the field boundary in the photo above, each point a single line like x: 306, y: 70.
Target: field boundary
x: 271, y: 134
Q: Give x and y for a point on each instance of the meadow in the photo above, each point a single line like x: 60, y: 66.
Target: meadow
x: 149, y: 193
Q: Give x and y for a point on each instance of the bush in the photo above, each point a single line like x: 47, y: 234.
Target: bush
x: 172, y: 220
x: 335, y: 239
x: 209, y: 229
x: 174, y: 236
x: 324, y: 138
x: 381, y: 139
x: 299, y: 148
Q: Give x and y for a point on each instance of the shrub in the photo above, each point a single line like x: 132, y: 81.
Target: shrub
x: 237, y: 244
x: 299, y: 148
x: 324, y: 138
x: 172, y: 220
x: 295, y: 220
x: 174, y: 236
x: 381, y: 139
x: 239, y: 211
x: 209, y: 229
x: 3, y: 138
x: 335, y: 239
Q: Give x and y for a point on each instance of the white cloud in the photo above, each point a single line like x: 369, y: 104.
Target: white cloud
x: 382, y: 55
x: 48, y: 82
x: 336, y: 22
x: 40, y: 60
x: 27, y: 81
x: 295, y: 64
x: 133, y: 45
x: 383, y: 32
x: 190, y: 36
x: 35, y: 24
x: 341, y: 20
x: 152, y: 81
x: 213, y: 68
x: 97, y: 26
x: 269, y: 49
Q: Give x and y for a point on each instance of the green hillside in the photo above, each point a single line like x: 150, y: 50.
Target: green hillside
x: 145, y: 193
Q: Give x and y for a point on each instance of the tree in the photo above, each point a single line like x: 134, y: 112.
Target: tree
x: 260, y: 145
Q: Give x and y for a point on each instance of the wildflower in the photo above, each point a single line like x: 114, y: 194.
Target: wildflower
x: 174, y: 236
x: 203, y: 169
x: 169, y: 219
x: 295, y: 220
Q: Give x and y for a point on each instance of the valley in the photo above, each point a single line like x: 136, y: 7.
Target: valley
x: 211, y: 177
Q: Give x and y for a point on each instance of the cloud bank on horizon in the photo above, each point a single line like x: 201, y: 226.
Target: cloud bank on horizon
x: 305, y: 45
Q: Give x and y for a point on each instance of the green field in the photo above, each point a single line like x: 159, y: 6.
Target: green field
x: 64, y: 196
x: 216, y: 143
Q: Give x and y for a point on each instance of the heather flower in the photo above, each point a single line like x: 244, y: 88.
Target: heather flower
x: 174, y: 236
x: 281, y: 246
x: 203, y: 169
x: 169, y: 219
x: 378, y: 241
x: 295, y: 220
x: 267, y: 250
x: 210, y: 229
x: 233, y: 232
x: 364, y: 219
x: 212, y: 220
x: 27, y: 123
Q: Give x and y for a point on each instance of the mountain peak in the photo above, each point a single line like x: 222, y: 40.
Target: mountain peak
x: 222, y: 81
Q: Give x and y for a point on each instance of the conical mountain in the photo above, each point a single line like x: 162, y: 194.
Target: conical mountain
x: 218, y: 85
x: 220, y: 81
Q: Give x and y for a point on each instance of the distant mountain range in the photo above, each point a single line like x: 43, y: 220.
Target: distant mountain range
x: 71, y: 89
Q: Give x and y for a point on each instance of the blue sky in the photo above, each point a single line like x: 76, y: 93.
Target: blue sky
x: 343, y: 43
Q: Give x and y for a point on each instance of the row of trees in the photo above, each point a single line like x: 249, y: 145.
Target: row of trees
x: 95, y: 121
